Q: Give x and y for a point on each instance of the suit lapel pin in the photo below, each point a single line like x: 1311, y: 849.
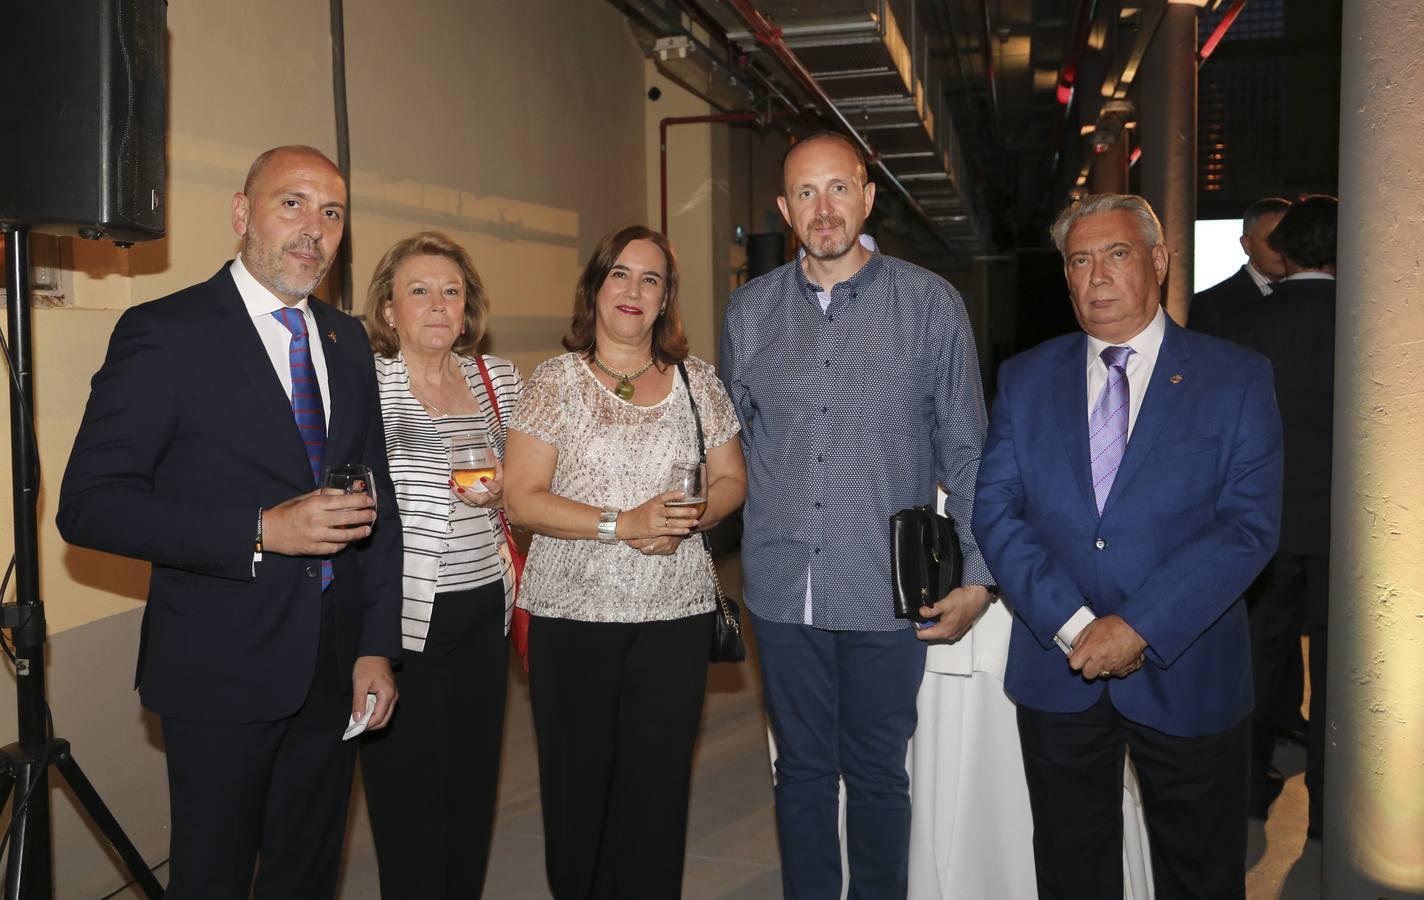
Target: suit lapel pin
x: 1175, y: 379
x: 331, y: 336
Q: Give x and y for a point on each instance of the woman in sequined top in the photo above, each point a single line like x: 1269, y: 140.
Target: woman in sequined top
x: 621, y: 600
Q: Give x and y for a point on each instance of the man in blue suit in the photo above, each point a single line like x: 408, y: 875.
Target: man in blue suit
x: 1129, y: 492
x: 273, y: 609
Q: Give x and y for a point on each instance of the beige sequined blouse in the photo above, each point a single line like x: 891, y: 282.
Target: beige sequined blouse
x: 613, y: 453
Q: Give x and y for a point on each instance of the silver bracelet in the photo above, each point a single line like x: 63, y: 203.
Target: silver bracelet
x: 608, y: 525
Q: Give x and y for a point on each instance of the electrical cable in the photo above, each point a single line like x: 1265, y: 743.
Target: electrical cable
x: 21, y: 800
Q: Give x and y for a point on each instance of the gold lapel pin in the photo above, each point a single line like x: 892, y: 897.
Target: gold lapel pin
x: 1175, y: 379
x: 331, y: 335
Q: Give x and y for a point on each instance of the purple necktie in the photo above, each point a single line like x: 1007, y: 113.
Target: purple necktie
x: 306, y: 403
x: 1107, y: 426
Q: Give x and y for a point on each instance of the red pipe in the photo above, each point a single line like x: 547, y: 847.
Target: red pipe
x: 1082, y: 27
x: 662, y: 151
x: 770, y: 36
x: 1221, y: 28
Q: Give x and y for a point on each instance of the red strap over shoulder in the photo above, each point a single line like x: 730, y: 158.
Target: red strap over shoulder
x: 519, y: 628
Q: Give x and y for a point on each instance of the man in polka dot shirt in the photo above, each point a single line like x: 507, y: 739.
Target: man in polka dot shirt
x: 857, y: 383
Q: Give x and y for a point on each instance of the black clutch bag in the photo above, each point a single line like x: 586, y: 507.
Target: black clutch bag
x: 925, y: 560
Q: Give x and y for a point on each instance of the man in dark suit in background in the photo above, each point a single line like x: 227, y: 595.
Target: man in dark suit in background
x: 1128, y: 493
x: 1254, y: 279
x: 273, y: 609
x: 1209, y: 311
x: 1295, y: 329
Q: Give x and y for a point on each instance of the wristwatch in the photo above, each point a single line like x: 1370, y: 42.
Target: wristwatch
x: 608, y: 525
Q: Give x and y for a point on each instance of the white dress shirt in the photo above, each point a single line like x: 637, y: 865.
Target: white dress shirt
x: 1140, y: 363
x: 277, y: 340
x: 1263, y: 284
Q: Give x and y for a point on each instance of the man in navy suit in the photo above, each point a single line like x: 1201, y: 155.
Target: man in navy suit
x: 1129, y: 492
x: 1254, y: 280
x: 273, y: 609
x: 1295, y: 329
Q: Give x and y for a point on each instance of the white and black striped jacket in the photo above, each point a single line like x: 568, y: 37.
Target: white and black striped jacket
x: 420, y: 469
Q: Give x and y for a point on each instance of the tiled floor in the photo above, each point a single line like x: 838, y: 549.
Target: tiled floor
x: 732, y: 851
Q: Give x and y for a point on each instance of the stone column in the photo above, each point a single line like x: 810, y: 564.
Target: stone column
x: 1374, y: 772
x: 1167, y: 107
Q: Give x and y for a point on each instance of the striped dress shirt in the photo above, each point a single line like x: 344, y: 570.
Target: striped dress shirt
x: 849, y: 415
x: 420, y: 468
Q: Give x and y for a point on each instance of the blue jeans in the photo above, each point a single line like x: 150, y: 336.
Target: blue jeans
x: 842, y: 705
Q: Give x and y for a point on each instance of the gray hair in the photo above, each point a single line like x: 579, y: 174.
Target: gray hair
x: 1098, y: 203
x: 1264, y: 207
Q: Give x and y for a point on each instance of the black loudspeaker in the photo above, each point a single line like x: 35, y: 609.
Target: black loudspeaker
x: 83, y: 117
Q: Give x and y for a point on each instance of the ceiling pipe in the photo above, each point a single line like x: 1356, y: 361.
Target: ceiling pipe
x: 663, y: 125
x: 990, y: 75
x: 1082, y: 28
x: 734, y: 58
x: 1220, y: 32
x: 1067, y: 79
x: 769, y: 36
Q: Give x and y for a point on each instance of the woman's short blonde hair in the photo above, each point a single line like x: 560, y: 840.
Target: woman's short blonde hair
x: 384, y: 340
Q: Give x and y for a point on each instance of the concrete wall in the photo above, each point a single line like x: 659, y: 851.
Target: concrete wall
x: 517, y: 128
x: 696, y: 201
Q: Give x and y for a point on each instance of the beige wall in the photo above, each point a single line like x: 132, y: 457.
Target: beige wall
x: 696, y: 200
x: 517, y: 128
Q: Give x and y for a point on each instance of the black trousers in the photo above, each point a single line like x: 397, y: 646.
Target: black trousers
x: 616, y: 712
x: 1193, y: 793
x: 279, y: 789
x: 431, y: 775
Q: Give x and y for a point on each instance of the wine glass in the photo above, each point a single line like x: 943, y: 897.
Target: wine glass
x: 471, y: 459
x: 691, y: 479
x: 349, y: 479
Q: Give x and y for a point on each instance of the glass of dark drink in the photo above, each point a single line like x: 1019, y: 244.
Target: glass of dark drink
x: 349, y: 479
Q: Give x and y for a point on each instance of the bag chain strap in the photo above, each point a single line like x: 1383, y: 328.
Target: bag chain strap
x: 707, y: 544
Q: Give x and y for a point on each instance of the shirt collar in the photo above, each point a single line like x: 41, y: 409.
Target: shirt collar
x: 1145, y: 343
x: 1263, y: 284
x: 1311, y: 275
x: 867, y: 272
x: 257, y: 298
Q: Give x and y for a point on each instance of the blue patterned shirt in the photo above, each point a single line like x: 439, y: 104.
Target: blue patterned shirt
x: 849, y: 415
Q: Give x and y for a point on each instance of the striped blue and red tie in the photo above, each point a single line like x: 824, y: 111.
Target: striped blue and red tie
x: 306, y: 403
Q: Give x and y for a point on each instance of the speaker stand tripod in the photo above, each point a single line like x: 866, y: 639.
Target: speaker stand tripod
x: 24, y: 766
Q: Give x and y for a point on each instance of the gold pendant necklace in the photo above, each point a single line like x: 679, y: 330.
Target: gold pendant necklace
x: 624, y: 389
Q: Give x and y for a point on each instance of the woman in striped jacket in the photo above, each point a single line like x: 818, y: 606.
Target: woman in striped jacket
x: 431, y: 777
